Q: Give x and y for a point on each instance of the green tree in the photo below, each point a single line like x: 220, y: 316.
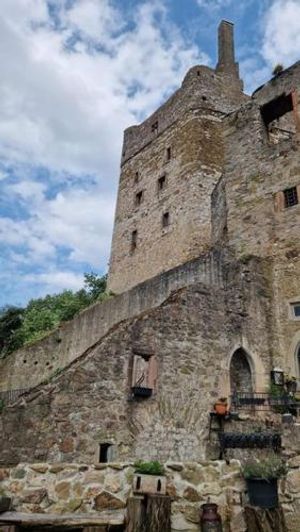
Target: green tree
x: 11, y: 319
x: 19, y: 326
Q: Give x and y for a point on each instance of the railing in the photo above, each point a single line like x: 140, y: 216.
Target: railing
x: 264, y: 401
x: 10, y: 396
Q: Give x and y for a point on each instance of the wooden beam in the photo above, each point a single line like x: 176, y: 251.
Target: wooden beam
x: 101, y: 519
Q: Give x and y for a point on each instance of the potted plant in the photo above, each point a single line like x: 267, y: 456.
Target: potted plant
x: 149, y: 478
x: 221, y: 406
x: 261, y: 478
x: 5, y: 502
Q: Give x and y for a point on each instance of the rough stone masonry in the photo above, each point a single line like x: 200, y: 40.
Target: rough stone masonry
x: 205, y: 268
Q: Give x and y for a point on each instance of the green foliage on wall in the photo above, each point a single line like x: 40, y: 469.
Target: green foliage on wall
x: 19, y: 326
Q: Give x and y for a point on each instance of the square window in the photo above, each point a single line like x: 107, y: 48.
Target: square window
x: 296, y: 310
x: 139, y: 198
x: 166, y: 219
x: 105, y: 452
x: 161, y: 183
x: 290, y: 197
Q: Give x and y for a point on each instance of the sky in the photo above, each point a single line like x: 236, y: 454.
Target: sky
x: 74, y: 75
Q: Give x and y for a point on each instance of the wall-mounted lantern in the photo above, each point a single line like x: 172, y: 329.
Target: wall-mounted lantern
x: 277, y: 377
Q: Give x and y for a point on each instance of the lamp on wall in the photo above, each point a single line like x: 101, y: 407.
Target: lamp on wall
x: 277, y: 377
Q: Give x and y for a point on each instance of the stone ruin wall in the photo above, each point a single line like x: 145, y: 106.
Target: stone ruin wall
x: 41, y: 360
x: 249, y: 217
x: 90, y: 488
x: 190, y: 124
x: 190, y: 174
x: 90, y: 401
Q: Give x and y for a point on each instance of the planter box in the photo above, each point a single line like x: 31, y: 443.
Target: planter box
x: 153, y: 484
x: 262, y: 492
x: 140, y: 391
x: 5, y: 503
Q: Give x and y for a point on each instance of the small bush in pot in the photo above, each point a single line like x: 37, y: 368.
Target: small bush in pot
x: 261, y: 477
x: 149, y: 468
x: 149, y: 478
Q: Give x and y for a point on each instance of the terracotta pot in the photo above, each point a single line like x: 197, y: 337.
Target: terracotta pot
x: 221, y: 408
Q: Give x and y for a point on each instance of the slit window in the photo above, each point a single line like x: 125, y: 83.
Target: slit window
x: 105, y: 452
x: 166, y: 219
x: 136, y: 177
x: 139, y: 198
x: 290, y: 197
x: 134, y: 235
x: 154, y: 127
x: 161, y: 183
x: 169, y: 154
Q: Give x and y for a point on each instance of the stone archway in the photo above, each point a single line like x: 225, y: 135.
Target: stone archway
x: 240, y: 372
x: 298, y: 362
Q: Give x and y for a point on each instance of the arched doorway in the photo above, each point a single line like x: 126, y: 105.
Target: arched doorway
x: 240, y: 372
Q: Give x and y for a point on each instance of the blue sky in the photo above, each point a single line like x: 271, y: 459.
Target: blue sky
x: 74, y: 74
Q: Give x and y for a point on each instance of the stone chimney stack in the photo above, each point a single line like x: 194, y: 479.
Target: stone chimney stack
x: 226, y: 63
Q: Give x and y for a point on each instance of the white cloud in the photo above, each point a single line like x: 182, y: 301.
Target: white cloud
x: 214, y: 4
x: 281, y: 43
x: 67, y: 110
x: 70, y: 84
x: 56, y: 281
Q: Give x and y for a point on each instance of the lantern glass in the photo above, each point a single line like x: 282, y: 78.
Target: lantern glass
x: 277, y: 377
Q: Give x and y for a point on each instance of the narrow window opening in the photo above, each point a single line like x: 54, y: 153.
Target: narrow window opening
x: 139, y: 198
x: 278, y: 118
x: 104, y: 452
x: 154, y: 127
x: 290, y: 197
x: 158, y: 485
x: 138, y: 483
x: 134, y: 240
x: 136, y: 177
x: 296, y: 309
x: 169, y: 154
x: 166, y: 219
x: 161, y: 183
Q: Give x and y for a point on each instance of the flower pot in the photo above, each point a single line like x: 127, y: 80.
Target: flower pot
x: 149, y: 484
x: 141, y: 391
x: 221, y: 408
x: 263, y: 492
x: 5, y: 503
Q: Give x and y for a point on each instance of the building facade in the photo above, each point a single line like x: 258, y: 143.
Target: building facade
x: 205, y: 267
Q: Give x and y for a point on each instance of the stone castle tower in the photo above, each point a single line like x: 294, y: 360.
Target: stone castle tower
x: 170, y: 165
x: 205, y: 268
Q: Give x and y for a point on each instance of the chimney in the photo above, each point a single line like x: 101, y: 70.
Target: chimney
x: 226, y: 63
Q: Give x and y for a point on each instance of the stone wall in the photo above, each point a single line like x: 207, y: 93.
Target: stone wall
x: 189, y: 124
x: 249, y: 214
x: 189, y: 177
x: 60, y: 488
x: 43, y: 359
x: 90, y: 402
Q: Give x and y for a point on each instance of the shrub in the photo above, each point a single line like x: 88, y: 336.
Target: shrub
x: 277, y: 69
x: 149, y: 468
x: 271, y: 467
